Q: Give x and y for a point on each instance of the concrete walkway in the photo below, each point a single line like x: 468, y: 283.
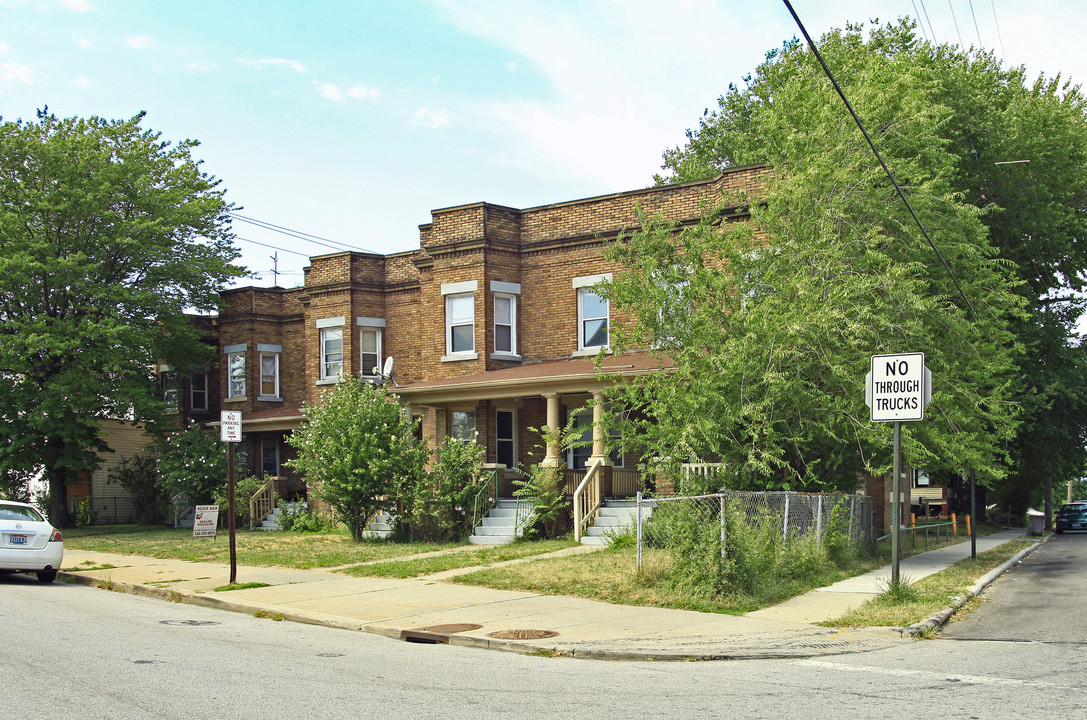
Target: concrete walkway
x: 427, y: 609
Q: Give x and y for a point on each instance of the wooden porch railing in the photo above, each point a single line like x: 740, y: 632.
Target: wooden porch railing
x: 263, y: 501
x: 588, y: 497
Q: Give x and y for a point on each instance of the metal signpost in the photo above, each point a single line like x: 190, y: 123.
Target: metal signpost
x: 230, y: 432
x: 897, y: 389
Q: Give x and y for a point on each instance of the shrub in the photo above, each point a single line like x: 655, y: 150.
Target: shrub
x: 439, y: 506
x: 138, y: 476
x: 244, y: 489
x: 297, y: 517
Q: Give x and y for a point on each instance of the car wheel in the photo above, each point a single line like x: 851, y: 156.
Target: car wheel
x: 1058, y: 531
x: 47, y: 576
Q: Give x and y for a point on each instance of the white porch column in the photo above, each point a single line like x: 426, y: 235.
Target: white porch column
x: 553, y: 456
x: 600, y: 450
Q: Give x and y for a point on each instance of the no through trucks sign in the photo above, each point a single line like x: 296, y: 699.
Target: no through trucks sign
x: 898, y: 387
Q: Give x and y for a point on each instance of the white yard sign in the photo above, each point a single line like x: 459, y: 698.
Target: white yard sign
x: 207, y: 518
x: 898, y: 387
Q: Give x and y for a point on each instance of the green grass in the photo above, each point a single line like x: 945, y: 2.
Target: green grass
x: 283, y: 549
x: 449, y: 561
x: 241, y: 586
x: 919, y: 600
x: 611, y: 576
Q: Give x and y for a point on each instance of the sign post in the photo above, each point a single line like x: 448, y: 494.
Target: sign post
x: 897, y: 389
x: 230, y: 432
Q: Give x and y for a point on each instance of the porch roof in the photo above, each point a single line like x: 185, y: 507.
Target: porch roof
x: 565, y: 376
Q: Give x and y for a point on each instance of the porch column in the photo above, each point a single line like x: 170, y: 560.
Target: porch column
x: 553, y: 456
x: 600, y: 450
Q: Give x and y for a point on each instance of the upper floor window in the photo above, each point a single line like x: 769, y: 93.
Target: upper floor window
x: 235, y: 370
x: 169, y: 389
x: 330, y: 362
x: 592, y: 314
x: 198, y: 392
x: 505, y: 317
x: 460, y: 320
x: 269, y: 371
x: 370, y: 331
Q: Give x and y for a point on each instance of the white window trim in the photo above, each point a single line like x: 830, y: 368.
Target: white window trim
x: 367, y: 372
x: 582, y: 349
x: 243, y: 350
x: 264, y: 351
x: 466, y: 289
x: 325, y: 379
x: 512, y: 353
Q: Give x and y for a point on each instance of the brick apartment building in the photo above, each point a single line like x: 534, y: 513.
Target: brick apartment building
x: 492, y: 325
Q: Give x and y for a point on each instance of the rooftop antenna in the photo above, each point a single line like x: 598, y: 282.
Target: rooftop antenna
x: 275, y: 269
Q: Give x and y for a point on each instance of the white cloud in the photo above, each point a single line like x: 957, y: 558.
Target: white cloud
x: 200, y: 66
x: 140, y: 42
x: 77, y: 5
x: 273, y: 63
x: 333, y: 92
x: 433, y: 119
x: 3, y: 47
x: 82, y: 81
x: 12, y: 73
x: 83, y: 43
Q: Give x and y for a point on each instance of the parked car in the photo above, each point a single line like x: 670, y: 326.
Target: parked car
x: 28, y: 542
x: 1072, y: 516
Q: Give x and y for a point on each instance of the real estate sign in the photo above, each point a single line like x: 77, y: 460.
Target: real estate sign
x: 207, y: 518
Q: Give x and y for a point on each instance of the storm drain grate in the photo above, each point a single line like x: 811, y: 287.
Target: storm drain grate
x: 435, y: 634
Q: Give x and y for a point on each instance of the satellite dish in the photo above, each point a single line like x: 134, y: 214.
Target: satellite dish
x: 387, y: 371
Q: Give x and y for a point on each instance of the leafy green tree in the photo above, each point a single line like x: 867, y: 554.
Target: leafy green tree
x: 192, y: 464
x: 357, y: 450
x: 108, y: 234
x: 770, y: 323
x: 1010, y: 147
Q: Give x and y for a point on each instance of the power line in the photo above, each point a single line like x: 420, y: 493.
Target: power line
x: 297, y: 234
x: 1003, y: 59
x: 981, y: 45
x: 273, y: 247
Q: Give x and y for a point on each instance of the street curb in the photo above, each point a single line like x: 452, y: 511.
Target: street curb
x: 939, y: 619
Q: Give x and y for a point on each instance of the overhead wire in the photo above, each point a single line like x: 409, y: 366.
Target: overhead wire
x: 298, y: 234
x: 879, y: 157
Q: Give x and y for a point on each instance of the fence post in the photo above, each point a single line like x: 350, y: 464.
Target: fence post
x: 785, y: 522
x: 819, y: 520
x: 638, y: 563
x: 723, y: 528
x: 852, y: 511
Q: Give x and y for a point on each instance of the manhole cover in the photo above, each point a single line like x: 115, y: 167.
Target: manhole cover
x: 329, y: 654
x: 522, y: 634
x: 188, y: 622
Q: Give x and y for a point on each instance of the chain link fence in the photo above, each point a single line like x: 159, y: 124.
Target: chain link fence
x: 732, y: 518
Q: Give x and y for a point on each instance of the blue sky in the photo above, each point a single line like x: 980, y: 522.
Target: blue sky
x: 351, y: 121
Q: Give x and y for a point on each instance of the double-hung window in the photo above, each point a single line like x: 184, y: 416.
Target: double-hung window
x: 330, y: 362
x: 370, y: 331
x: 269, y: 454
x: 592, y: 314
x: 235, y: 370
x: 460, y: 320
x: 505, y: 318
x: 169, y: 388
x: 198, y: 392
x: 269, y: 371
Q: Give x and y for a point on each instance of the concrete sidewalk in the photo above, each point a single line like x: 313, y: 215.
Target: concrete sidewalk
x: 430, y: 610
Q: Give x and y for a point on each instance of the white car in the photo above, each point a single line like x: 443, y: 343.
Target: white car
x: 28, y: 543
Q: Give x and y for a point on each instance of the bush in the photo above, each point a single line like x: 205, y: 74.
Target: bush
x: 297, y: 517
x: 545, y: 486
x: 192, y: 465
x: 439, y: 506
x: 244, y: 489
x: 138, y: 476
x: 84, y: 514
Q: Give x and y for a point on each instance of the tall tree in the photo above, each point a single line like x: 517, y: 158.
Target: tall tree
x: 108, y: 234
x: 1012, y: 148
x: 770, y: 323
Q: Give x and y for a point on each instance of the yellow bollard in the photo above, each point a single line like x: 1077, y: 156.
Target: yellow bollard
x: 954, y: 525
x: 968, y: 531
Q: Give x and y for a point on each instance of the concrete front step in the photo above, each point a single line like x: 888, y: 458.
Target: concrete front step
x: 615, y: 517
x: 499, y: 526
